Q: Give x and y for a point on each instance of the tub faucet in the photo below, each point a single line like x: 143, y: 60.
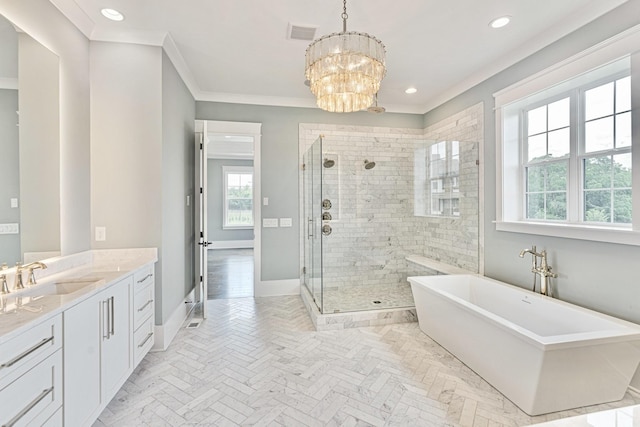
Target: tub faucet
x: 543, y: 270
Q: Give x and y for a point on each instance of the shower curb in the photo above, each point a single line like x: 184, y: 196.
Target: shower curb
x: 355, y: 319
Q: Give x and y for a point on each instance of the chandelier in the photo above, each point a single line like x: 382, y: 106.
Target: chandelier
x: 344, y: 70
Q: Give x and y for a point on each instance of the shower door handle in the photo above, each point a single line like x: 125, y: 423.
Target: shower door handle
x: 310, y: 228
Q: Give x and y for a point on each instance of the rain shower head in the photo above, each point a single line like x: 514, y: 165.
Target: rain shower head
x: 369, y: 165
x: 328, y: 163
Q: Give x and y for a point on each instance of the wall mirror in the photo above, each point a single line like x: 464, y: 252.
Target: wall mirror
x: 29, y: 148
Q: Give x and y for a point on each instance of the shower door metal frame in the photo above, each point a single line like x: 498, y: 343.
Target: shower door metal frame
x: 312, y: 179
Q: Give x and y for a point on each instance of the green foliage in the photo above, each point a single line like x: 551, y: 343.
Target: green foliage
x: 605, y: 177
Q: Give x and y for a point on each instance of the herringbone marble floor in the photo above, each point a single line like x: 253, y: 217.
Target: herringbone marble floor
x: 260, y: 362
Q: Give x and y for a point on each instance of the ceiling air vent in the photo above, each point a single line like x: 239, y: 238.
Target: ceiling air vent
x: 301, y: 32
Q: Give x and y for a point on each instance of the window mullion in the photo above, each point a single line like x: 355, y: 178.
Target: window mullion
x: 574, y: 193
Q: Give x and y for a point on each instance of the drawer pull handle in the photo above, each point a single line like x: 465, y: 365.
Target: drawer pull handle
x: 145, y: 306
x: 31, y: 405
x: 145, y: 340
x: 145, y: 278
x: 26, y: 353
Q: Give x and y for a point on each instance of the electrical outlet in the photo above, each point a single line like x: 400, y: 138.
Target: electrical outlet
x: 101, y: 234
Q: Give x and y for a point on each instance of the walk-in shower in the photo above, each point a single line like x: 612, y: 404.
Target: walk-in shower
x: 370, y: 203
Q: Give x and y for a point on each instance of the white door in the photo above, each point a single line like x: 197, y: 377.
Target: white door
x: 201, y: 222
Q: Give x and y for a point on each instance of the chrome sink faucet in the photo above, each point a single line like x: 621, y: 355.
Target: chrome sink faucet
x: 19, y: 283
x: 543, y: 270
x: 4, y: 289
x: 30, y: 267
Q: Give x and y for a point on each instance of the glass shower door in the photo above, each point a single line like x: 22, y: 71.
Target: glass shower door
x: 312, y: 178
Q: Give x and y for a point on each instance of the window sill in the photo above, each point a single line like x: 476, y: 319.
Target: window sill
x: 581, y: 232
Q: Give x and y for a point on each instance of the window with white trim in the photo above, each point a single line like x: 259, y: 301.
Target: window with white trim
x: 565, y: 148
x: 597, y: 141
x: 238, y: 196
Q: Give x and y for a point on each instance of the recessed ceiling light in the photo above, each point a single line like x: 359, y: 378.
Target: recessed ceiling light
x: 112, y: 14
x: 500, y: 22
x: 411, y: 90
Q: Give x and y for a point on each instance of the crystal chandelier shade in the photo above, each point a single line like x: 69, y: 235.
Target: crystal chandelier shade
x: 345, y: 69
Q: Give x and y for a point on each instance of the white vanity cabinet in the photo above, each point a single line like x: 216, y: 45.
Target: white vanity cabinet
x: 143, y: 312
x: 31, y: 376
x: 97, y: 352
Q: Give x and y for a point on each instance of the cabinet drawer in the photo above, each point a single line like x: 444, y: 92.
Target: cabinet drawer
x: 34, y: 397
x: 20, y: 353
x: 56, y: 420
x: 143, y: 306
x: 142, y: 340
x: 143, y: 277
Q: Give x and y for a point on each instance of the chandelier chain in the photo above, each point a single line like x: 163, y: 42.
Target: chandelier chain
x: 344, y: 16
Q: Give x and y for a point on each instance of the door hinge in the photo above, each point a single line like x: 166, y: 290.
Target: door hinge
x: 200, y: 190
x: 200, y: 279
x: 304, y: 270
x: 202, y: 235
x: 304, y: 167
x: 477, y: 162
x: 201, y: 146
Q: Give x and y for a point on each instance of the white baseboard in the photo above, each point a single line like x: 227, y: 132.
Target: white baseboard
x: 231, y: 244
x: 164, y: 334
x: 272, y: 288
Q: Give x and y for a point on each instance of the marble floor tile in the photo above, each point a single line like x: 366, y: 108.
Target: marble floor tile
x: 260, y: 362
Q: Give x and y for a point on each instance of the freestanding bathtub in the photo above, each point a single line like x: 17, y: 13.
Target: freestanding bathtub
x: 543, y: 354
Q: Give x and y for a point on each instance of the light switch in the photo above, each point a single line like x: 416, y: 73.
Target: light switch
x: 14, y: 202
x: 269, y: 222
x: 286, y: 222
x: 265, y: 201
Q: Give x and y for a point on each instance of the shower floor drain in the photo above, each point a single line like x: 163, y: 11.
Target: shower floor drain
x: 377, y: 302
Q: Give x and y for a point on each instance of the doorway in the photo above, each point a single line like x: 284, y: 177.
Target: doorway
x: 230, y: 232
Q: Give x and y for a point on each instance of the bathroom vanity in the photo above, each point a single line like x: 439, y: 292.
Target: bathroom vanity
x: 68, y: 343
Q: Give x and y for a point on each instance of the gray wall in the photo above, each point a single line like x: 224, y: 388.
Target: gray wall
x: 215, y: 208
x: 142, y: 157
x: 596, y: 275
x: 178, y: 158
x: 9, y: 174
x: 279, y: 163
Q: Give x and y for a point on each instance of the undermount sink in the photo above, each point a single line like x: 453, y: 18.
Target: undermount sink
x: 62, y: 287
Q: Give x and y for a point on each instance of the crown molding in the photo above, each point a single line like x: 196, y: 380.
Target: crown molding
x: 76, y: 15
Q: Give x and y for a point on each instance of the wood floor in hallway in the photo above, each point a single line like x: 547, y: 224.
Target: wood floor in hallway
x: 230, y: 273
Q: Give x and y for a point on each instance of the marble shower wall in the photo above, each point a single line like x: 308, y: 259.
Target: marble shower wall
x: 374, y: 226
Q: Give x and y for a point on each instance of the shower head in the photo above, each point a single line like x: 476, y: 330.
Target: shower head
x: 328, y: 163
x: 369, y: 165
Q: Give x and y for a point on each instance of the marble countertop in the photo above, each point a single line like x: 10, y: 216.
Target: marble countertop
x: 22, y: 309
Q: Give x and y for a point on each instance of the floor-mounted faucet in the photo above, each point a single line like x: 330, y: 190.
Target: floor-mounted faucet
x: 543, y: 270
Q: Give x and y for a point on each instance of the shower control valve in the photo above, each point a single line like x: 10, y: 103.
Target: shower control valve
x: 326, y: 204
x: 326, y: 216
x: 326, y: 229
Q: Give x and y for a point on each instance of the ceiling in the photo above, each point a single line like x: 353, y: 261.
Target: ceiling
x: 238, y: 50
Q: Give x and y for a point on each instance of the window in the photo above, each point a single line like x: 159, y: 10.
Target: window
x: 439, y: 162
x: 564, y: 165
x: 238, y: 197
